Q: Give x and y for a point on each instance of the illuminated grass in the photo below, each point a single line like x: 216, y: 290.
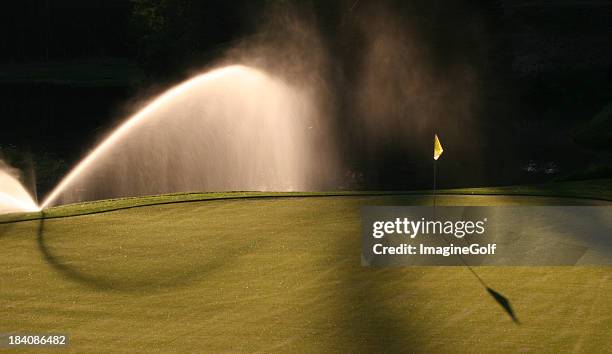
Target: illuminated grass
x: 278, y: 275
x: 595, y: 189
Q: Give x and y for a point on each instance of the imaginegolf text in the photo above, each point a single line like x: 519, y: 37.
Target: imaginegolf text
x: 405, y: 249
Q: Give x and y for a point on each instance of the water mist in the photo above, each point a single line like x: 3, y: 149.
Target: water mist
x: 13, y: 196
x: 233, y: 128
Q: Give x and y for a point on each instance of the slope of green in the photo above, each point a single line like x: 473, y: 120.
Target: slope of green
x: 280, y: 275
x: 595, y: 189
x: 600, y: 189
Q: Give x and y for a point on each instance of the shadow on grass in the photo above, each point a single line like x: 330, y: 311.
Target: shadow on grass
x: 5, y: 228
x: 377, y: 327
x: 160, y: 283
x: 504, y: 303
x: 498, y: 297
x: 369, y: 322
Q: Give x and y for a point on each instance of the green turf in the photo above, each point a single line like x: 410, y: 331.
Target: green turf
x: 594, y: 189
x: 600, y: 189
x: 279, y: 275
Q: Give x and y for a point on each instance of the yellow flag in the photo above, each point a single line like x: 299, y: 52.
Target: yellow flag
x: 437, y: 147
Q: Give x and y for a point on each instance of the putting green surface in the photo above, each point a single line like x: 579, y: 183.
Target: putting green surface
x: 280, y: 275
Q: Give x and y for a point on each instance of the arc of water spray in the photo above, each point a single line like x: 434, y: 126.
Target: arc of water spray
x: 25, y: 205
x: 13, y: 195
x: 165, y: 98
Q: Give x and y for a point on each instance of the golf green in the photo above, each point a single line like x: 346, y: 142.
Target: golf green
x: 280, y: 275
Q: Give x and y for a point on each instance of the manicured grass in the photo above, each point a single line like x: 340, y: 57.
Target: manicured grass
x: 278, y: 275
x: 594, y: 189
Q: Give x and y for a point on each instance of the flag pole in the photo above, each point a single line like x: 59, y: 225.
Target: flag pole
x: 435, y: 173
x: 499, y: 298
x: 437, y: 152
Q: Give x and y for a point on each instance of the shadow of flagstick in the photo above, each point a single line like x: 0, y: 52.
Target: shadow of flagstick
x: 499, y: 298
x: 504, y: 303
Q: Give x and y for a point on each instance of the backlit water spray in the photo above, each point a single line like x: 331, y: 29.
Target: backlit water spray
x: 233, y: 128
x: 13, y: 196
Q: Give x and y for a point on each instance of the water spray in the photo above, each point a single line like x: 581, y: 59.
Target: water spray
x: 127, y: 126
x: 13, y: 196
x: 232, y: 128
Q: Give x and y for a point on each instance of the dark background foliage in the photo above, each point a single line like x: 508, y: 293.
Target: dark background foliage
x: 71, y: 70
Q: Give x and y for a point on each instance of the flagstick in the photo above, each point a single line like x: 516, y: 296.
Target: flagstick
x: 435, y: 173
x: 499, y: 298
